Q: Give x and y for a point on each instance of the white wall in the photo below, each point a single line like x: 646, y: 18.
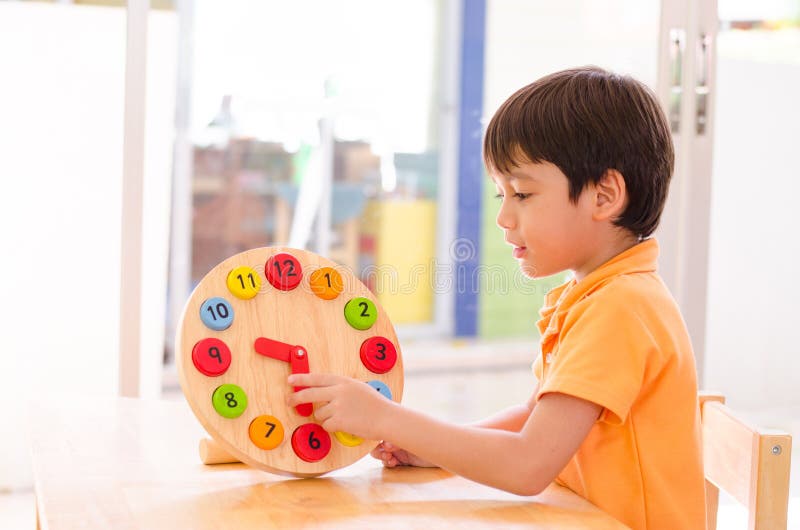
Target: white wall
x: 61, y: 106
x: 753, y: 351
x: 527, y: 39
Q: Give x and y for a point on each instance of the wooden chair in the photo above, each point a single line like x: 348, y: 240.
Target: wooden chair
x: 750, y: 464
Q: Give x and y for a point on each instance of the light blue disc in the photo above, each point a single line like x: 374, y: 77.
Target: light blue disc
x: 217, y: 313
x: 381, y: 387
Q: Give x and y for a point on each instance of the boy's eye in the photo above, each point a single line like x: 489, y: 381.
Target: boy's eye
x: 520, y: 196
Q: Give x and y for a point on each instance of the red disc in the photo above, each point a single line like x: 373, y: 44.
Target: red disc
x: 311, y: 442
x: 211, y: 357
x: 378, y: 354
x: 283, y: 271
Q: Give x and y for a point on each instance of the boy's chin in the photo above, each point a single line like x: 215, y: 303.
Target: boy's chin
x: 529, y: 271
x: 533, y: 272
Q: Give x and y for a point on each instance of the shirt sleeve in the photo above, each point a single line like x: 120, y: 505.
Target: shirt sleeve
x: 603, y: 350
x: 536, y: 367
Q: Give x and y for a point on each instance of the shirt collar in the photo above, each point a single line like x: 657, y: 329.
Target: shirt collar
x: 642, y: 257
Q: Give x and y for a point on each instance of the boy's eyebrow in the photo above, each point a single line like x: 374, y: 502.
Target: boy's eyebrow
x: 520, y: 176
x: 515, y: 176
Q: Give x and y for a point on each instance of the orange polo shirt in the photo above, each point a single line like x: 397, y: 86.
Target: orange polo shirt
x: 617, y: 339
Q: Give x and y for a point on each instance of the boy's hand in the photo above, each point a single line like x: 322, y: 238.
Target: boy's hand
x: 394, y: 456
x: 343, y: 404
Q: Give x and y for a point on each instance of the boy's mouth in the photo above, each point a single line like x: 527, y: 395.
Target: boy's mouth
x: 519, y: 252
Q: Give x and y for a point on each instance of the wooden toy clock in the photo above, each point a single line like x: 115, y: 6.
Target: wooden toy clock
x: 259, y: 316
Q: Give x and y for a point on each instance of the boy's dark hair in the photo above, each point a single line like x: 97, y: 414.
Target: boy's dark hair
x: 586, y: 121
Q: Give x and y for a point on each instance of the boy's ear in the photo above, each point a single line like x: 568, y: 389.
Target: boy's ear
x: 611, y: 196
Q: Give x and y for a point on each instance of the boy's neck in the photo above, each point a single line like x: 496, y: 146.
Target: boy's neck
x: 616, y: 243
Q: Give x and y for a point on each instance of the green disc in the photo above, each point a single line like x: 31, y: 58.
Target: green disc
x: 360, y: 313
x: 229, y: 400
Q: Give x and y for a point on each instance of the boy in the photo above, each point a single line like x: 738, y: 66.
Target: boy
x: 582, y: 161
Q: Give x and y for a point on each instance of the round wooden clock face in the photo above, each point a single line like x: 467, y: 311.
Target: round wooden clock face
x: 266, y: 313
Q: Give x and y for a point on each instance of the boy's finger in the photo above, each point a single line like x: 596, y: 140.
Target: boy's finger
x: 322, y: 413
x: 309, y: 395
x: 313, y: 379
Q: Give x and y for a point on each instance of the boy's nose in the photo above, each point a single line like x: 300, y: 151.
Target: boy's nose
x: 504, y: 219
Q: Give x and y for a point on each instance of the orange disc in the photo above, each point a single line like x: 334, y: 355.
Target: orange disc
x: 326, y: 283
x: 266, y: 431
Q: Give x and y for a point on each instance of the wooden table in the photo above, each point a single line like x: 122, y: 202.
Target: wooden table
x: 127, y: 463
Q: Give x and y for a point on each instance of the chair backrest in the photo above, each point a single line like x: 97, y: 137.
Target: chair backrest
x: 750, y: 464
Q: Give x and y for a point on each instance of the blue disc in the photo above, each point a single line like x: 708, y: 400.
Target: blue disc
x: 216, y: 313
x: 382, y: 389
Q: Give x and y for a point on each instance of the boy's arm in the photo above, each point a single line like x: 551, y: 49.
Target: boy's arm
x: 510, y: 419
x: 522, y: 462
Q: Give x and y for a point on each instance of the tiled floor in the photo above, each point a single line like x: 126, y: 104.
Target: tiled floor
x: 462, y: 381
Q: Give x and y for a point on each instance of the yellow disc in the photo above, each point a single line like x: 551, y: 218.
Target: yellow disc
x: 348, y: 439
x: 266, y: 432
x: 326, y: 283
x: 244, y: 282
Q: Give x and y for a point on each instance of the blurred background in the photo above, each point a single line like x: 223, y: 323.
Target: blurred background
x: 142, y: 144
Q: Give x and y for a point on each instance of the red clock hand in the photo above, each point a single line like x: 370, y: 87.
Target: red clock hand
x: 299, y: 364
x: 274, y: 349
x: 296, y: 356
